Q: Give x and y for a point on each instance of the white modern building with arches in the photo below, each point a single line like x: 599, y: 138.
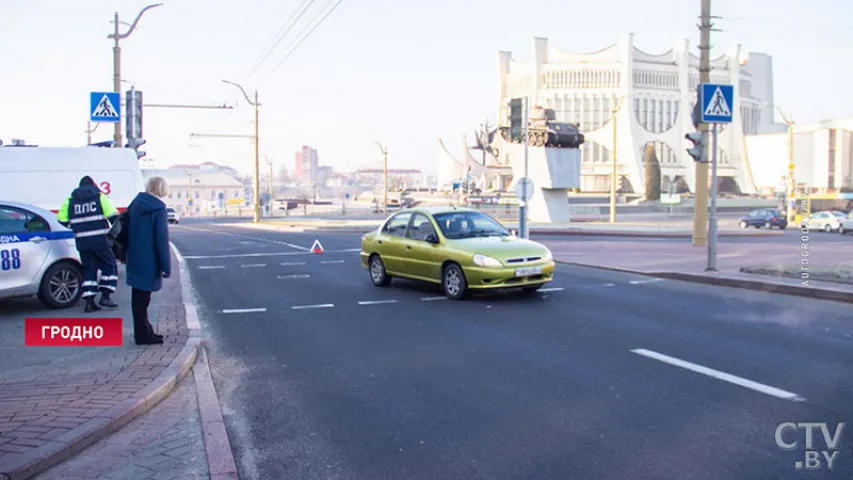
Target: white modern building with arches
x: 655, y: 95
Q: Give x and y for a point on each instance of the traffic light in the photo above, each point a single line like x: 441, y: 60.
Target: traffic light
x: 133, y: 126
x: 135, y: 143
x: 516, y: 117
x: 697, y: 151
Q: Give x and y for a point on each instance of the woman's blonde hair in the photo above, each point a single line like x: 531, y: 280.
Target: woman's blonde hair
x: 157, y: 186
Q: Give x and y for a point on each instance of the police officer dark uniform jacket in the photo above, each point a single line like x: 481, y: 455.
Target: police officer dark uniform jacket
x: 89, y: 213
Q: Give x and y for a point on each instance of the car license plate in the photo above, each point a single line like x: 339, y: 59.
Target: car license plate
x: 526, y: 272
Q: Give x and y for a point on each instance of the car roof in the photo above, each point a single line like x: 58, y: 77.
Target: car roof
x: 46, y: 214
x: 435, y: 210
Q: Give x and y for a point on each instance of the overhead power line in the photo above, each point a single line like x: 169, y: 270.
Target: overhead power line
x: 293, y: 49
x: 279, y: 36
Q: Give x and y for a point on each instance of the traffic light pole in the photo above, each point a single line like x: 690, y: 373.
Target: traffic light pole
x: 712, y: 220
x: 522, y: 207
x: 700, y: 205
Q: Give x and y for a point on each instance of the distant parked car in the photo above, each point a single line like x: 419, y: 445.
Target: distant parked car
x: 829, y: 221
x: 846, y: 224
x: 764, y: 217
x: 172, y: 216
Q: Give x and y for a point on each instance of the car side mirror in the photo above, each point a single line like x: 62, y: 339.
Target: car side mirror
x: 431, y: 238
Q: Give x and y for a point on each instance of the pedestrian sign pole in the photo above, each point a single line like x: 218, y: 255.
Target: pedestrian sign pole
x: 716, y: 108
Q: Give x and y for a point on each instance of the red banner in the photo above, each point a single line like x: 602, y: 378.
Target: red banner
x: 73, y: 332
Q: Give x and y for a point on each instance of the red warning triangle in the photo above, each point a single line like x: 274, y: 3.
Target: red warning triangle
x: 317, y: 248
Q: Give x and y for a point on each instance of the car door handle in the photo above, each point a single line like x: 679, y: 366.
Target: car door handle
x: 37, y: 239
x: 408, y: 247
x: 379, y: 242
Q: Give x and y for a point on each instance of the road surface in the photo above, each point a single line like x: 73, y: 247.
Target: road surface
x: 605, y: 375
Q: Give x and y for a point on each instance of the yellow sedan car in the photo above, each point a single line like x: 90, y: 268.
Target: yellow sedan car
x: 459, y: 248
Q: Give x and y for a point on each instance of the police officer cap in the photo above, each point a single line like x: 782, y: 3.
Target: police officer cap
x: 87, y: 180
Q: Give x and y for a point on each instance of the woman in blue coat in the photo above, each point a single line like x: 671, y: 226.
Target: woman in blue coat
x: 148, y: 255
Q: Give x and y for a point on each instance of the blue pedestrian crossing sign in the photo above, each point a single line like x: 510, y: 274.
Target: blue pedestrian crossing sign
x: 717, y: 102
x: 105, y: 107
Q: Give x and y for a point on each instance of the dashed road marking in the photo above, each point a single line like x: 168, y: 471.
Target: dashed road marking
x: 322, y: 305
x: 331, y: 261
x: 293, y: 275
x: 726, y: 377
x: 244, y: 310
x: 643, y: 282
x: 252, y: 255
x: 552, y: 289
x: 376, y: 302
x: 254, y: 265
x: 290, y: 264
x: 430, y: 299
x: 210, y: 267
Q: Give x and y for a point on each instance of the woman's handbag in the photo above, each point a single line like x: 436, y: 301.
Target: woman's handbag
x: 119, y: 234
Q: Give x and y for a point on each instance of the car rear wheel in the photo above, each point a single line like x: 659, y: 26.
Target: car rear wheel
x: 378, y: 275
x: 841, y: 230
x: 767, y: 225
x: 61, y: 286
x: 743, y: 224
x: 453, y: 282
x: 827, y: 229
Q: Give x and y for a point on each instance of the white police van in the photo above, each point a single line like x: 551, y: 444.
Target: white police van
x: 38, y: 256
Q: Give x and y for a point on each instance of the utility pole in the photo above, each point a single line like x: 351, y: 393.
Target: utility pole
x: 791, y: 210
x: 257, y: 185
x: 116, y: 36
x: 189, y: 192
x: 269, y: 162
x: 700, y: 206
x: 522, y: 208
x: 384, y: 151
x: 712, y: 224
x: 90, y: 131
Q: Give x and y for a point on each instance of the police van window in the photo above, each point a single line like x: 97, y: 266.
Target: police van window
x: 12, y: 221
x: 397, y: 225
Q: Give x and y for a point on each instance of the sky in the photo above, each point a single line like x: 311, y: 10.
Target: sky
x: 402, y: 73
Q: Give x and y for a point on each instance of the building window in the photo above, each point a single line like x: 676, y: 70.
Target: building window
x: 179, y: 195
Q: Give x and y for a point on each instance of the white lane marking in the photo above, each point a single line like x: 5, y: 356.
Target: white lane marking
x: 332, y: 261
x: 293, y: 275
x: 254, y: 265
x: 286, y: 264
x: 351, y: 250
x: 552, y: 289
x: 249, y: 255
x: 297, y: 247
x: 726, y: 377
x: 210, y: 267
x: 642, y: 282
x: 246, y: 243
x: 322, y: 305
x: 429, y: 299
x: 244, y: 310
x: 376, y: 302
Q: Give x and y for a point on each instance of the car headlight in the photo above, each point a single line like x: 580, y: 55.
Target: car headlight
x: 548, y: 256
x: 485, y: 261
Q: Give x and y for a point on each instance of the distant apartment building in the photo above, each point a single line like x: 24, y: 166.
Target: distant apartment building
x: 397, y: 178
x: 201, y: 188
x: 306, y: 165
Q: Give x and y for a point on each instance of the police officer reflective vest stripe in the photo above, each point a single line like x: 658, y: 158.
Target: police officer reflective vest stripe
x: 88, y: 212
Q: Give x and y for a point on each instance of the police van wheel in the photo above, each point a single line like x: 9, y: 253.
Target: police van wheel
x: 61, y: 286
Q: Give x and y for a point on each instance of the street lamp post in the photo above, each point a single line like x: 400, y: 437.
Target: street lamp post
x: 613, y: 174
x: 792, y: 183
x: 257, y: 186
x: 116, y: 36
x: 269, y: 162
x: 384, y: 151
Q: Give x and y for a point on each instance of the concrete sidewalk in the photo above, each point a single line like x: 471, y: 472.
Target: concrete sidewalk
x: 55, y: 402
x: 682, y: 261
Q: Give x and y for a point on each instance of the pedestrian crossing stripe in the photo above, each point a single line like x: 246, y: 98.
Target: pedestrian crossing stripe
x: 718, y: 107
x: 105, y: 108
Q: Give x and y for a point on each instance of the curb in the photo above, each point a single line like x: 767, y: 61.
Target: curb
x: 796, y: 290
x: 220, y: 458
x: 78, y: 439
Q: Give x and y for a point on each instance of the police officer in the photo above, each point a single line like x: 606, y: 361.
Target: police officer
x: 89, y: 213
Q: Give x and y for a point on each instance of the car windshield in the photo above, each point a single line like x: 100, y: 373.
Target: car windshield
x: 456, y: 225
x: 839, y: 214
x: 170, y: 210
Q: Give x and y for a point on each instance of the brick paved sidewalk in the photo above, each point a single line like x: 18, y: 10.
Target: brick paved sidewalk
x: 56, y: 401
x: 165, y: 444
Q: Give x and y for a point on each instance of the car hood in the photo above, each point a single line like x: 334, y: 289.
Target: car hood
x: 502, y: 248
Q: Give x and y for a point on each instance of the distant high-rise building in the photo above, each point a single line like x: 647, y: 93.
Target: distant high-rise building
x: 306, y: 164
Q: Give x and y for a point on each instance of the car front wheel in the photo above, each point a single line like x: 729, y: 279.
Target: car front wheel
x: 453, y: 282
x: 827, y: 229
x: 61, y: 286
x: 378, y: 275
x: 743, y: 224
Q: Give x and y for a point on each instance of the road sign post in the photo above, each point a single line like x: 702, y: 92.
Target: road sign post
x: 524, y: 192
x: 105, y: 107
x: 717, y: 102
x: 522, y: 208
